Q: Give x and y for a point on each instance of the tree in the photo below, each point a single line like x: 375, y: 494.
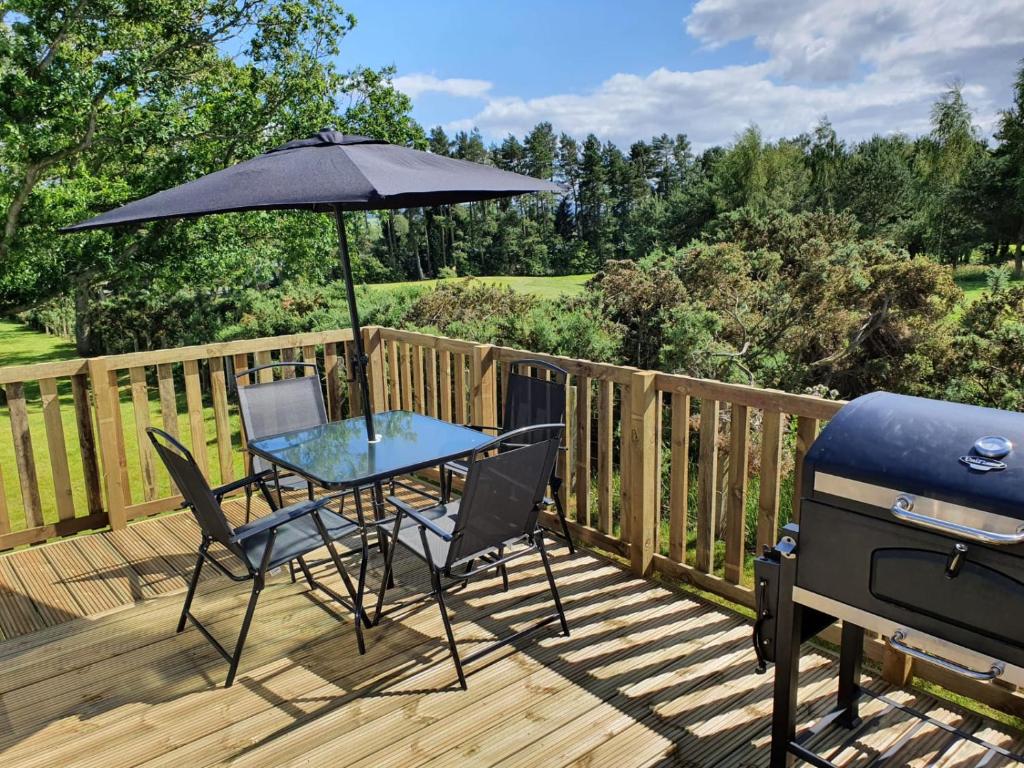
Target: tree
x: 946, y: 155
x: 825, y: 157
x: 1010, y: 153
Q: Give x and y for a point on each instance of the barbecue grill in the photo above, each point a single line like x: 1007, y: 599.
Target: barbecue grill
x: 912, y: 526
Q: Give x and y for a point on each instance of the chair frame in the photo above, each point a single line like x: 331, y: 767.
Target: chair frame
x: 268, y: 525
x: 442, y: 576
x: 560, y: 375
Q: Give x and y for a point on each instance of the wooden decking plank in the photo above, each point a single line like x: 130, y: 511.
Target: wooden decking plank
x: 52, y: 600
x: 78, y: 576
x: 18, y: 615
x: 155, y: 575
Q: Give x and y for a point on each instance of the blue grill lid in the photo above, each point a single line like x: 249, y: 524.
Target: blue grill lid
x: 923, y: 447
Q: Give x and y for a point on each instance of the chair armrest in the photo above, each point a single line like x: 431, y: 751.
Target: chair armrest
x: 223, y: 490
x: 278, y: 518
x: 405, y: 509
x: 483, y: 428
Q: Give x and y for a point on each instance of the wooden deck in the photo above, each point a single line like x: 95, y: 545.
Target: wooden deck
x: 93, y: 674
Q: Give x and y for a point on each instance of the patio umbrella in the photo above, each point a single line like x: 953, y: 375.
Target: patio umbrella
x: 331, y: 173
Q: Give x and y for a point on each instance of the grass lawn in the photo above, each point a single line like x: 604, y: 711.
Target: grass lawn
x: 544, y: 287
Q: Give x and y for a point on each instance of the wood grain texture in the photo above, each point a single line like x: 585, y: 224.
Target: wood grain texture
x: 770, y: 480
x: 707, y: 493
x: 643, y: 488
x: 87, y: 447
x: 222, y: 420
x: 679, y: 477
x: 736, y: 506
x: 605, y: 456
x: 806, y: 432
x: 57, y: 449
x: 582, y: 449
x: 196, y: 422
x: 140, y: 411
x: 24, y: 458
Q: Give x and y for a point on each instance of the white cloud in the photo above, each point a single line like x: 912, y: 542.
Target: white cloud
x: 417, y: 84
x: 871, y: 66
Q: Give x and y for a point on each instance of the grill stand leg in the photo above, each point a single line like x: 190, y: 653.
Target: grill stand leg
x: 850, y: 650
x: 788, y: 624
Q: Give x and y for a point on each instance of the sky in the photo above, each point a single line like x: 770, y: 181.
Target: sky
x: 630, y: 70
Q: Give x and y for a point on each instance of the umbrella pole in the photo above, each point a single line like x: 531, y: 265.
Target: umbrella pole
x: 357, y: 336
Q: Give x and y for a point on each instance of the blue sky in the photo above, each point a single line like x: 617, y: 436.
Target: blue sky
x: 627, y: 71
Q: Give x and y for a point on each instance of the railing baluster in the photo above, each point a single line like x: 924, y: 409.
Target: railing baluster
x: 583, y: 405
x: 806, y: 432
x: 197, y: 425
x: 262, y: 357
x: 108, y: 417
x: 407, y: 393
x: 219, y: 395
x: 86, y: 443
x: 624, y: 473
x: 736, y: 508
x: 140, y: 408
x: 394, y: 377
x: 768, y: 495
x: 23, y: 456
x: 707, y: 473
x: 460, y: 389
x: 418, y: 393
x: 430, y: 380
x: 445, y: 388
x: 56, y: 449
x: 287, y: 356
x: 605, y: 429
x: 333, y: 373
x: 679, y: 491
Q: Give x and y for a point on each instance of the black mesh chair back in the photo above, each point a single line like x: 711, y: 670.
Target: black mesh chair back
x: 279, y: 406
x: 529, y: 400
x: 194, y: 489
x: 504, y: 490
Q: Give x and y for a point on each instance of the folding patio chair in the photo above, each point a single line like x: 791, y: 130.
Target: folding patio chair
x: 493, y: 523
x: 528, y: 401
x: 272, y: 408
x: 286, y: 535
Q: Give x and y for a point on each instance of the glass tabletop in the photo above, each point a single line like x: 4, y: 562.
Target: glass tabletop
x: 337, y: 454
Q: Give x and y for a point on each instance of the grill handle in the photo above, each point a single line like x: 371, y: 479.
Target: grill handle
x: 903, y: 509
x: 896, y: 642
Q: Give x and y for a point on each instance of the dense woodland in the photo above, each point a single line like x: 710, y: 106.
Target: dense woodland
x: 810, y: 262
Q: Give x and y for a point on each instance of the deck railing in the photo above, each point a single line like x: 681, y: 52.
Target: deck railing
x: 683, y: 477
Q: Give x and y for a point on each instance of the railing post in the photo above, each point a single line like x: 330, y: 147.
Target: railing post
x: 374, y: 350
x: 108, y: 413
x: 643, y: 496
x: 482, y: 384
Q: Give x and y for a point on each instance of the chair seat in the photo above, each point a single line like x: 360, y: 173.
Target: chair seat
x: 295, y: 538
x: 444, y: 518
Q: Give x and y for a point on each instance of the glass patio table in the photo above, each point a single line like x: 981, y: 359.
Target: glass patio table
x: 338, y: 456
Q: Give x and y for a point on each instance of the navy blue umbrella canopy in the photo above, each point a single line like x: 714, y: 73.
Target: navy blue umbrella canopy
x: 330, y: 173
x: 326, y: 172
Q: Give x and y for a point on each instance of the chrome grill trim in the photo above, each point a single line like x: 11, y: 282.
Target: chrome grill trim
x: 884, y: 498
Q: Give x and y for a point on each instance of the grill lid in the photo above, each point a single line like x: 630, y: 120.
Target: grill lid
x: 960, y: 454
